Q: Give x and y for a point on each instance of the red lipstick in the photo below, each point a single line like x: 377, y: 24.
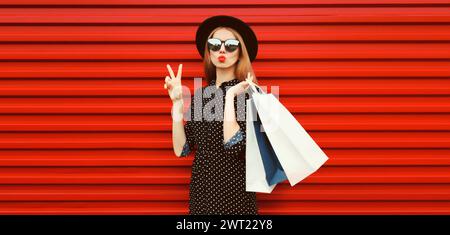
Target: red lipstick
x: 222, y: 58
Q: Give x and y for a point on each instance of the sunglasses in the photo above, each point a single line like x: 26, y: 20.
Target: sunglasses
x: 231, y: 45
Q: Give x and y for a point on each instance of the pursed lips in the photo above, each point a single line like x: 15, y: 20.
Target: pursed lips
x: 222, y: 58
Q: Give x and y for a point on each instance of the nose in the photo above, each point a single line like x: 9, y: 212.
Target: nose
x: 222, y: 48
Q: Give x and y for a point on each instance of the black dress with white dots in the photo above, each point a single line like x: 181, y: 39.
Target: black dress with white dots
x: 217, y: 183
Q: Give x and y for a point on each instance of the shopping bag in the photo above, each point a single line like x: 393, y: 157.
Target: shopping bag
x: 272, y: 167
x: 255, y: 176
x: 297, y: 152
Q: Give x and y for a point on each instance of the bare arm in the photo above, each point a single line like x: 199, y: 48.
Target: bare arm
x: 178, y: 132
x: 230, y: 125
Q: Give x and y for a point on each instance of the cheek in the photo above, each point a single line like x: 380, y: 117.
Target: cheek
x: 213, y: 54
x: 213, y: 58
x: 235, y: 56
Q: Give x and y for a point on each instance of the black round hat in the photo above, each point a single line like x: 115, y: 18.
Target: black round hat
x: 208, y: 25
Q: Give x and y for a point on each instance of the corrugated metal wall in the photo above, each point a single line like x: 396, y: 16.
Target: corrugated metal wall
x: 85, y: 121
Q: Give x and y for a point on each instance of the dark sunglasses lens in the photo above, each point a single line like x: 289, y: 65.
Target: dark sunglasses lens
x: 231, y: 45
x: 214, y: 44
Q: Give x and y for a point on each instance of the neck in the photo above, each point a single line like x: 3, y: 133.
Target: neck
x: 224, y: 74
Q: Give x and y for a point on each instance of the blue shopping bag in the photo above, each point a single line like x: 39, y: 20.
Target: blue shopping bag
x: 274, y: 171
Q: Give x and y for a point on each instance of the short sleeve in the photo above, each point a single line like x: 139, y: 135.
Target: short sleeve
x: 235, y: 146
x: 189, y: 130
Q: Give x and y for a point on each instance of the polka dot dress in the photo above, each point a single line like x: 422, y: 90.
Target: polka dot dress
x: 217, y: 183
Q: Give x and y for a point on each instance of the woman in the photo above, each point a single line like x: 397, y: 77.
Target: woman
x: 217, y: 185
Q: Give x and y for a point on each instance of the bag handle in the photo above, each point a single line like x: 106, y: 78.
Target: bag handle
x: 253, y: 87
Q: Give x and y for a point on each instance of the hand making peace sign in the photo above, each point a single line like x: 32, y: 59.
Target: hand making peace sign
x: 241, y: 86
x: 173, y: 84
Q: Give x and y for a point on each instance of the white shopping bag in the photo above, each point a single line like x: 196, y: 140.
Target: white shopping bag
x: 297, y: 152
x: 255, y: 176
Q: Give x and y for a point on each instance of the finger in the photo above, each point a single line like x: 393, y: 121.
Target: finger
x: 180, y: 67
x: 249, y: 80
x: 170, y: 71
x: 167, y: 81
x: 165, y: 86
x: 169, y: 84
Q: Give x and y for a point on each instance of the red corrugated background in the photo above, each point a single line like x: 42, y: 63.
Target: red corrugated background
x: 85, y: 121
